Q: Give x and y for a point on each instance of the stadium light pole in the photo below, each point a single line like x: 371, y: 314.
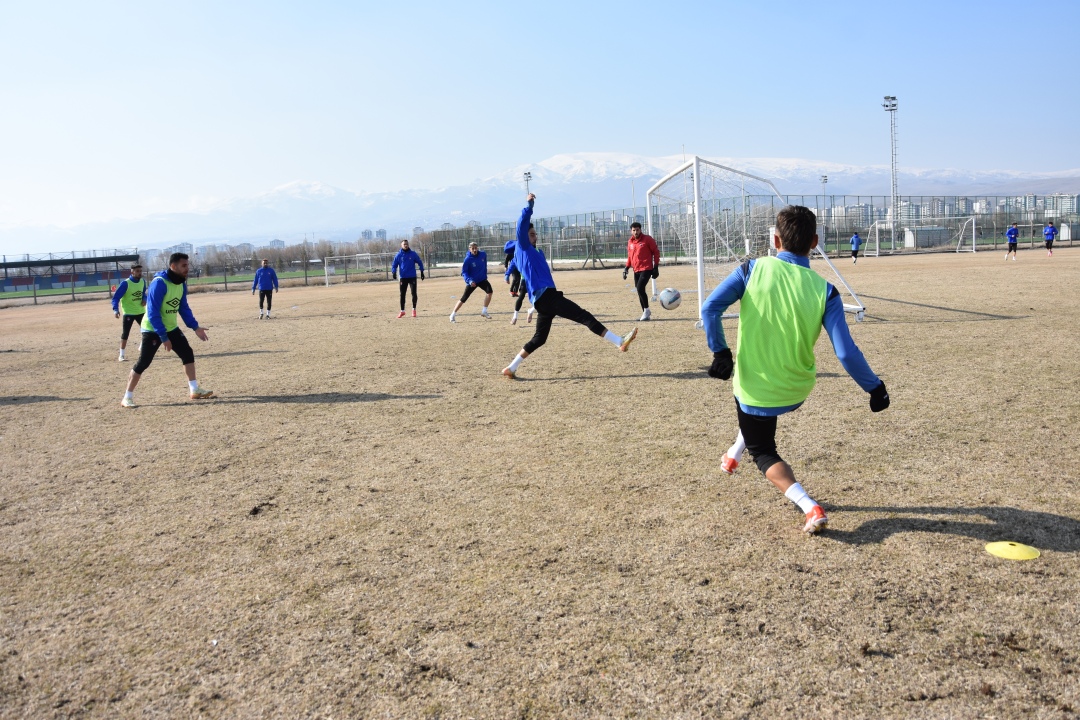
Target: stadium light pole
x: 824, y: 230
x: 890, y: 107
x: 528, y: 177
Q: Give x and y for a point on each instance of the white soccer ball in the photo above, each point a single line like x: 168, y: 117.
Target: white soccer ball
x: 670, y: 298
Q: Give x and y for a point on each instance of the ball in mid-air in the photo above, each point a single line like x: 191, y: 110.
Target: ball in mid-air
x: 670, y: 298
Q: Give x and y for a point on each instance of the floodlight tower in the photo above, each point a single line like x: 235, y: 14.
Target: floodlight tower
x: 528, y: 177
x: 824, y: 234
x: 890, y: 107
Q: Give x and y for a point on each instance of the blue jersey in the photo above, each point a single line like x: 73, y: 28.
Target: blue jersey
x: 1049, y: 232
x: 1012, y: 234
x: 407, y: 261
x: 530, y: 261
x: 474, y: 268
x: 265, y: 279
x: 847, y: 352
x: 856, y: 241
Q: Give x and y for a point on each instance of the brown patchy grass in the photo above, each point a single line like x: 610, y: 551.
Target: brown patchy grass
x: 371, y: 522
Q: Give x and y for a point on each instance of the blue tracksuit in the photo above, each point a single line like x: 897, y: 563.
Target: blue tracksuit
x: 154, y: 297
x: 121, y: 289
x: 474, y: 269
x: 847, y: 352
x: 1049, y: 233
x: 530, y: 261
x: 265, y: 279
x: 856, y: 242
x: 407, y: 261
x: 1012, y: 234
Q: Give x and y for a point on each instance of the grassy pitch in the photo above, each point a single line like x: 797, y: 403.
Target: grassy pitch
x: 370, y: 521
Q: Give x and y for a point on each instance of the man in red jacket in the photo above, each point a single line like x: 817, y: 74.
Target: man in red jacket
x: 644, y: 258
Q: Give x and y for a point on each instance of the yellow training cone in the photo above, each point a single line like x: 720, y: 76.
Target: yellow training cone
x: 1012, y: 551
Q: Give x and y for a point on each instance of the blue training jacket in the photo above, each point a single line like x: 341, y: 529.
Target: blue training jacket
x: 265, y: 279
x: 474, y: 269
x: 1012, y: 234
x: 847, y: 352
x: 529, y: 260
x: 155, y: 296
x: 1049, y: 232
x: 406, y: 261
x: 856, y: 241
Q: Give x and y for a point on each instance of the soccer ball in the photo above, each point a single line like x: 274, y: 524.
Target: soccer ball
x: 670, y: 298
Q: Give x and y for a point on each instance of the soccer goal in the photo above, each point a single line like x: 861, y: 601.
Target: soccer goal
x: 364, y: 266
x: 926, y: 235
x: 720, y: 217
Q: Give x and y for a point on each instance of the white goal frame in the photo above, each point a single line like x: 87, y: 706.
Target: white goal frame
x: 360, y: 262
x: 854, y: 306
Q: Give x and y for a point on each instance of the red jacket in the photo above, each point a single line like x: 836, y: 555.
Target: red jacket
x: 642, y: 254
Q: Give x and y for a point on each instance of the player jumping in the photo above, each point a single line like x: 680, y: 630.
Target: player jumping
x: 783, y: 306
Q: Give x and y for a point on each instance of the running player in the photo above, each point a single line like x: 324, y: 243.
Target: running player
x: 856, y: 243
x: 1012, y: 235
x: 511, y: 269
x: 643, y: 257
x: 1049, y: 234
x: 784, y: 305
x: 130, y: 296
x: 408, y: 261
x: 549, y: 302
x: 266, y: 281
x: 474, y: 270
x: 166, y: 299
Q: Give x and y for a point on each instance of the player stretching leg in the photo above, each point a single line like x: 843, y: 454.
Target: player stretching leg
x: 166, y: 299
x: 643, y: 257
x: 511, y: 268
x: 408, y: 261
x: 1011, y: 235
x: 266, y: 281
x: 474, y: 270
x: 548, y: 301
x: 784, y: 306
x: 130, y: 296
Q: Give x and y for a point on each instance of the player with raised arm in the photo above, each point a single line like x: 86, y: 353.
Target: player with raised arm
x: 783, y: 306
x: 266, y: 281
x: 130, y: 297
x: 643, y: 257
x: 407, y: 261
x: 474, y: 270
x: 549, y: 302
x: 166, y: 300
x: 1012, y: 235
x: 1049, y: 234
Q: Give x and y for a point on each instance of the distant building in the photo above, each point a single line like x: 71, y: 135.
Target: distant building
x: 244, y: 249
x: 964, y: 206
x: 446, y: 226
x: 367, y: 235
x: 473, y: 224
x: 417, y: 230
x: 184, y: 247
x: 380, y: 234
x: 276, y: 244
x: 1062, y: 203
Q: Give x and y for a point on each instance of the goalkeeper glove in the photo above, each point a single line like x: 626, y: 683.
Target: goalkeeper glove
x: 879, y: 398
x: 625, y: 271
x: 722, y: 364
x: 422, y: 275
x: 656, y: 272
x: 393, y: 275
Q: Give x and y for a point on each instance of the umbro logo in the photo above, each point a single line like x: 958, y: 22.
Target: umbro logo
x: 174, y: 303
x: 137, y: 295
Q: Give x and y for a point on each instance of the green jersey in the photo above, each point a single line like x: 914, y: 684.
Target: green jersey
x: 131, y: 302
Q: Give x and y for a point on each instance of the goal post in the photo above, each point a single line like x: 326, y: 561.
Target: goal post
x: 719, y: 217
x: 362, y: 267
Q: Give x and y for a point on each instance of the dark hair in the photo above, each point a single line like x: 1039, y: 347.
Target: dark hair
x: 796, y: 225
x: 177, y: 257
x: 635, y: 225
x: 136, y: 266
x: 530, y: 226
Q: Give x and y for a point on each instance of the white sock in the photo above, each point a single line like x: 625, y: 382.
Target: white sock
x: 453, y: 315
x: 613, y: 338
x: 735, y: 451
x: 193, y: 384
x: 515, y: 314
x: 121, y: 352
x: 516, y: 363
x: 129, y: 394
x: 797, y: 495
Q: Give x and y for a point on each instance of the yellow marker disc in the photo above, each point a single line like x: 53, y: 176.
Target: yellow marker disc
x: 1012, y: 551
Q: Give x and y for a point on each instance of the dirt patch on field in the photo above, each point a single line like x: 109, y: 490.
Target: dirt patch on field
x: 371, y: 522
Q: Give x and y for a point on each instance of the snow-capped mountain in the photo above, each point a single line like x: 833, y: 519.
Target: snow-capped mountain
x: 565, y: 184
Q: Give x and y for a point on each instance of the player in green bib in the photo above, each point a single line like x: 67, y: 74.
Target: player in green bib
x: 166, y: 304
x: 783, y: 305
x: 129, y: 299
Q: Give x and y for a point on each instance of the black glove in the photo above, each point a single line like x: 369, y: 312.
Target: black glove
x: 393, y: 275
x: 656, y: 272
x: 722, y: 365
x: 625, y: 272
x: 879, y: 398
x: 422, y: 275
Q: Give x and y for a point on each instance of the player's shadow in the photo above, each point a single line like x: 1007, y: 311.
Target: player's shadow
x: 238, y: 352
x: 31, y: 399
x: 320, y: 398
x: 674, y: 376
x: 1045, y: 531
x: 964, y: 315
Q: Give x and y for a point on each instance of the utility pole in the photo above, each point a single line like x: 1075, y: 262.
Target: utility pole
x: 890, y: 107
x: 824, y: 232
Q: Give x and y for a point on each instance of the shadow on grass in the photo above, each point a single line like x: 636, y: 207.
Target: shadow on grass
x: 30, y: 399
x: 967, y: 315
x: 1045, y: 531
x: 313, y: 398
x: 675, y: 376
x: 237, y: 352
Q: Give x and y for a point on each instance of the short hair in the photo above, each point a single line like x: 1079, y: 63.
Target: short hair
x: 796, y: 226
x: 177, y: 257
x: 265, y: 260
x: 136, y: 266
x: 474, y: 244
x: 530, y: 226
x: 635, y: 225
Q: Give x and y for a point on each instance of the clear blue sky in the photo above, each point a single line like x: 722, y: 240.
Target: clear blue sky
x: 126, y: 108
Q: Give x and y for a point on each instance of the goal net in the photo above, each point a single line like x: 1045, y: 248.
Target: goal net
x: 925, y: 235
x: 357, y: 268
x: 720, y: 217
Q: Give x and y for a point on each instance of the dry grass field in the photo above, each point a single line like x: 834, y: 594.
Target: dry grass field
x: 370, y: 521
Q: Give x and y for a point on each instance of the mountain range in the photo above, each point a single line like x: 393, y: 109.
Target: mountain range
x: 564, y: 184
